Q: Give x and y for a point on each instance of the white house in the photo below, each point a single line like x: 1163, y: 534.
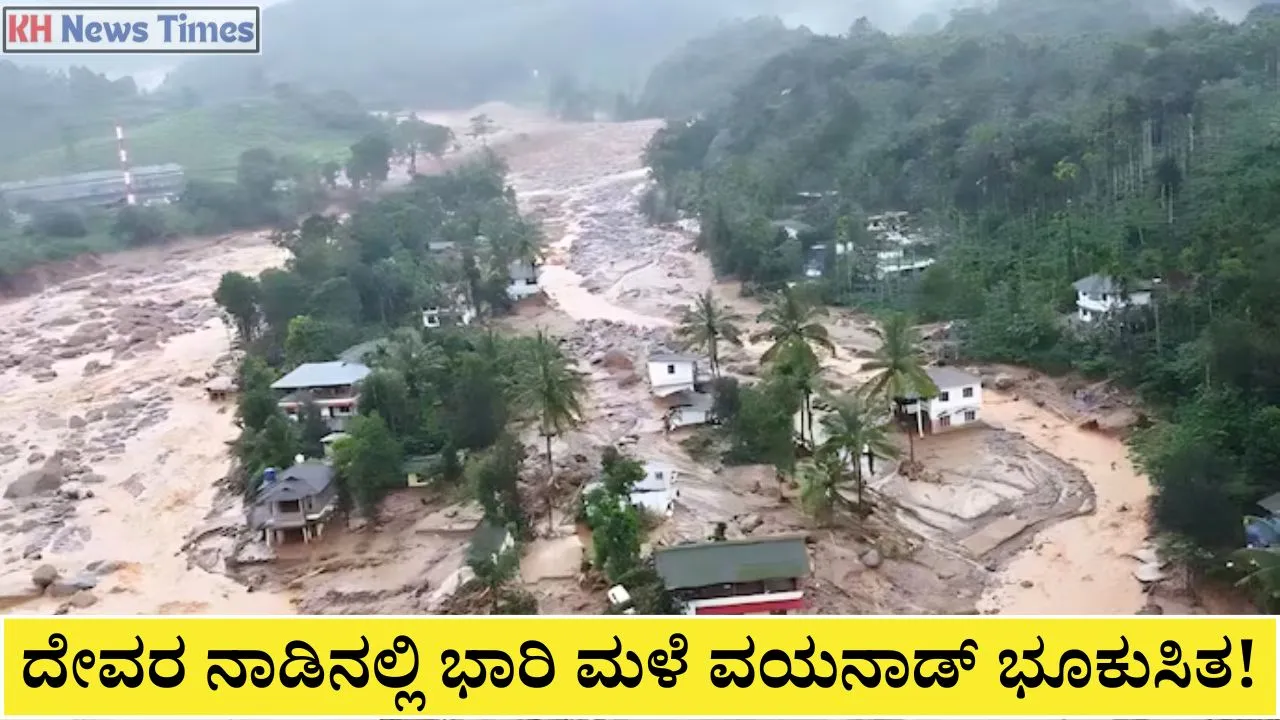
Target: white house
x: 1100, y: 294
x: 333, y: 386
x: 460, y: 314
x: 524, y: 279
x: 958, y: 402
x: 670, y: 373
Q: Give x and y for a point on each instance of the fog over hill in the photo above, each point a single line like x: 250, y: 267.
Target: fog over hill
x: 455, y: 52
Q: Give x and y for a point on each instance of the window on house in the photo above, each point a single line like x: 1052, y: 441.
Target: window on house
x: 944, y: 396
x: 968, y: 392
x: 944, y: 421
x: 289, y: 506
x: 671, y: 369
x: 970, y: 415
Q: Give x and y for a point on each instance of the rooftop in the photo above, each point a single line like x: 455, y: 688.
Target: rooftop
x: 302, y: 480
x: 1271, y: 503
x: 706, y: 564
x: 1098, y: 284
x: 948, y: 377
x: 319, y: 375
x: 672, y: 358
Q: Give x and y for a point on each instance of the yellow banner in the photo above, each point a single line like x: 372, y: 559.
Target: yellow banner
x: 602, y: 667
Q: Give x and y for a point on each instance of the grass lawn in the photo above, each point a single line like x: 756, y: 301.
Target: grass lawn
x: 205, y: 141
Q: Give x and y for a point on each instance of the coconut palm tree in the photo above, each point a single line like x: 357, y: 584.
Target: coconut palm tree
x: 793, y: 327
x: 820, y: 481
x: 899, y: 363
x: 793, y: 319
x: 852, y: 429
x: 799, y: 368
x: 553, y: 390
x: 706, y: 324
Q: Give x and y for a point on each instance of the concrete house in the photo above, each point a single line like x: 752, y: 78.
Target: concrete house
x: 334, y: 386
x: 755, y: 576
x: 680, y: 382
x: 295, y: 502
x: 524, y: 279
x: 958, y: 402
x: 670, y: 374
x: 1100, y: 294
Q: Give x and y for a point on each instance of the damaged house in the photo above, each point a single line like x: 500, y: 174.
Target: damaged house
x: 681, y: 383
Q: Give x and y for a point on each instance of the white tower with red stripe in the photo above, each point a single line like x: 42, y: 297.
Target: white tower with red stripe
x: 129, y: 197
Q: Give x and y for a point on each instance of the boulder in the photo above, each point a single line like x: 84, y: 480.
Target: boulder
x: 14, y: 590
x: 871, y: 558
x: 1004, y: 381
x: 36, y: 482
x: 44, y: 576
x: 748, y: 523
x: 83, y: 599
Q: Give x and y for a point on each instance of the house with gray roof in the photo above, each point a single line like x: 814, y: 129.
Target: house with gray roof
x: 1100, y: 294
x: 295, y: 502
x: 957, y: 403
x: 751, y: 576
x: 333, y: 386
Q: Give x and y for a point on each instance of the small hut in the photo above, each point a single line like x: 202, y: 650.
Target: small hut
x: 221, y: 388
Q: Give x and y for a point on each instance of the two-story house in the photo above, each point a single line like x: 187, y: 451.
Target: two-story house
x: 333, y: 386
x: 296, y: 501
x: 1100, y: 294
x: 680, y: 381
x: 957, y: 403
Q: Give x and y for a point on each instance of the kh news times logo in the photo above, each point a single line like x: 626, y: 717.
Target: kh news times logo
x: 133, y: 29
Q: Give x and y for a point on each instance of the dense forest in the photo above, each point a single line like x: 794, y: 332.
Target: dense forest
x: 1032, y: 160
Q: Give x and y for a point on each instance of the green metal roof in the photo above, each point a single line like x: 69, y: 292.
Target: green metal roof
x: 732, y: 561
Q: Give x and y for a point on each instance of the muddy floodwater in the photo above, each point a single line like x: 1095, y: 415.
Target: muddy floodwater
x: 112, y: 453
